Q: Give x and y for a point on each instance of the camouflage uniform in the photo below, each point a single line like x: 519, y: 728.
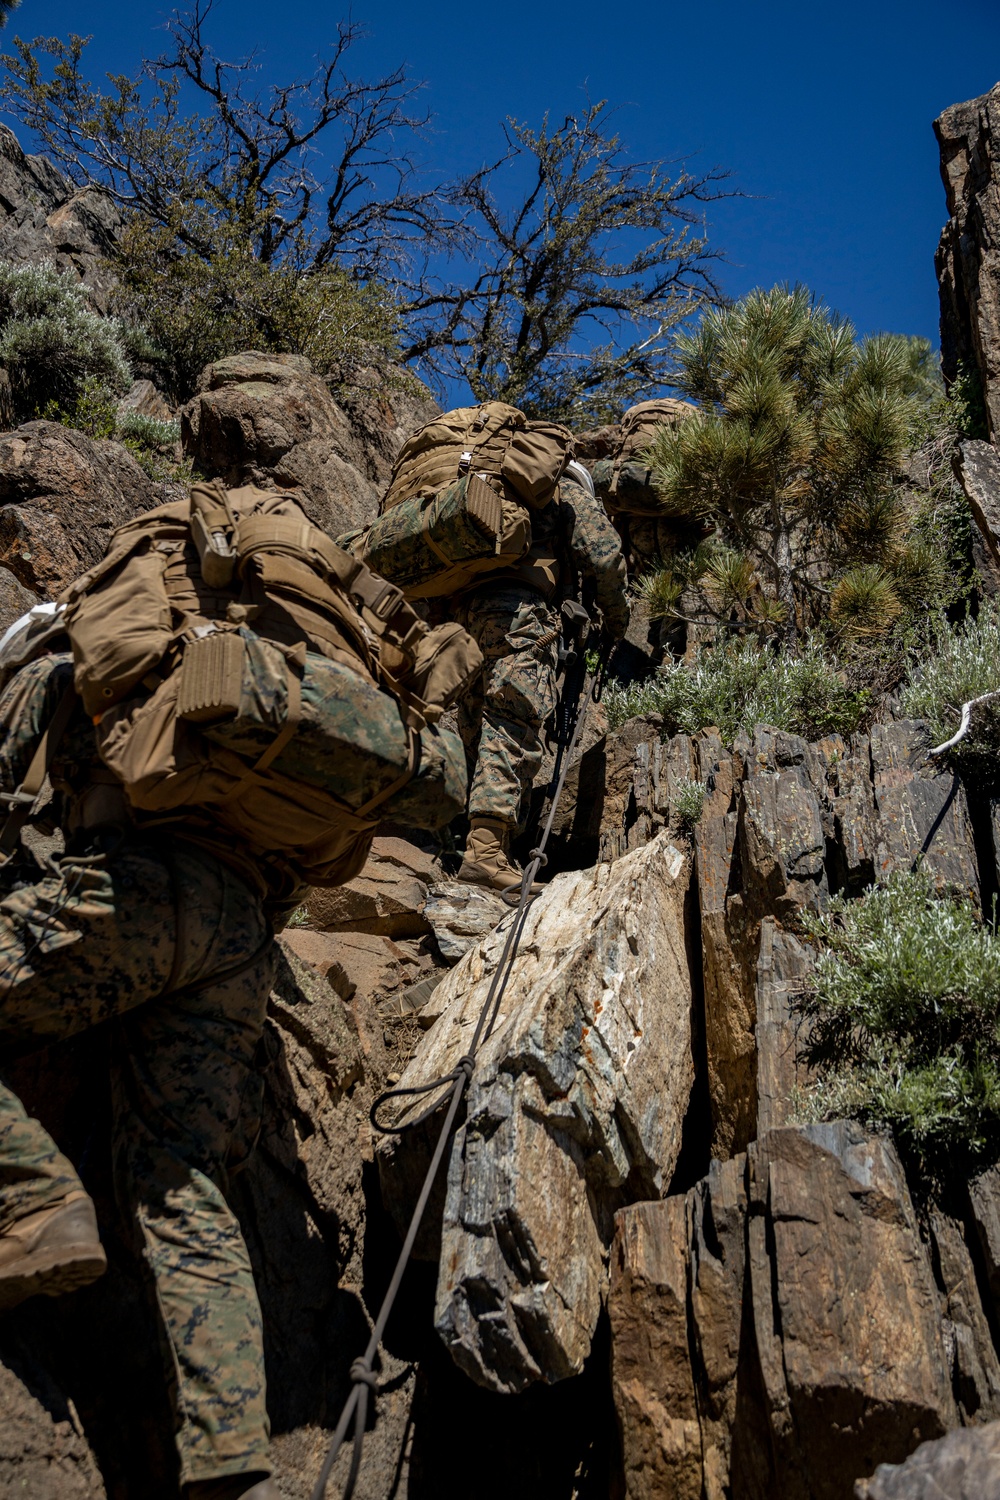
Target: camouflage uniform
x: 143, y: 935
x: 517, y: 630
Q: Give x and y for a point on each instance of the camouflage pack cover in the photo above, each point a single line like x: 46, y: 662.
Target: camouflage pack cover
x: 436, y: 545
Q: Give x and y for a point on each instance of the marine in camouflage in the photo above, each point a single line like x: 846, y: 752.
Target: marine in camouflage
x: 517, y: 630
x: 500, y: 719
x: 136, y: 938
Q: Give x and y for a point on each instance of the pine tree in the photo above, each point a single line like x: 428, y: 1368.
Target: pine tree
x: 795, y: 457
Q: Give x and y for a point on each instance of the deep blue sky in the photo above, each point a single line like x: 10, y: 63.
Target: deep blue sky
x: 823, y: 114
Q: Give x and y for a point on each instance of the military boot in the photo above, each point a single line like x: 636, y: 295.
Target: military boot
x: 486, y: 859
x: 51, y: 1251
x: 234, y: 1487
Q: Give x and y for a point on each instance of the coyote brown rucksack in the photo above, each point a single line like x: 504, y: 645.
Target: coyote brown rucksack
x: 624, y: 482
x: 494, y: 440
x: 460, y: 499
x: 237, y: 663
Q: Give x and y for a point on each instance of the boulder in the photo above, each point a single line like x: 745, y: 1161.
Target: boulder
x: 460, y: 915
x: 968, y: 256
x: 577, y: 1104
x: 964, y: 1465
x: 61, y: 496
x: 46, y: 218
x: 15, y: 599
x: 387, y: 897
x: 267, y: 419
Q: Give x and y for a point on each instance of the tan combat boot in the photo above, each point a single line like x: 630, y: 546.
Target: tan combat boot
x: 486, y: 860
x: 51, y: 1251
x: 235, y: 1487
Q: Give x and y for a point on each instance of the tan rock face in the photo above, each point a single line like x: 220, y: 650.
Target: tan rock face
x: 577, y: 1102
x: 267, y: 419
x: 61, y: 496
x: 778, y: 1330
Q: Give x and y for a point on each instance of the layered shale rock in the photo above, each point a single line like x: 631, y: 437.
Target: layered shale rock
x: 576, y: 1105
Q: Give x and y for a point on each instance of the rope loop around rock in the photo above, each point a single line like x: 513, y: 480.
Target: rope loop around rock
x: 362, y: 1373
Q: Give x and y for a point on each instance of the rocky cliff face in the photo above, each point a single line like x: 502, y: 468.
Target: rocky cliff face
x: 43, y: 217
x: 641, y: 1277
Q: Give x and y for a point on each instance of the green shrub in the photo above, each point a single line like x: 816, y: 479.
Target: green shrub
x: 198, y: 310
x: 51, y: 342
x: 904, y: 1016
x: 688, y: 802
x: 738, y: 684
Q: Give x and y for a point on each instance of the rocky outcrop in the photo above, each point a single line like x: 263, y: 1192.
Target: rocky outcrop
x: 45, y: 217
x: 780, y: 1329
x: 61, y: 496
x: 968, y: 257
x: 577, y: 1104
x: 267, y: 419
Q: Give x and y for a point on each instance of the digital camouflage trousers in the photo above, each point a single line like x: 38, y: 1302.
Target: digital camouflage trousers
x: 135, y: 939
x: 500, y: 719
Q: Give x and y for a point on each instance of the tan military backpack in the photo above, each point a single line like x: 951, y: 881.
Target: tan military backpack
x: 492, y: 439
x: 625, y: 483
x: 237, y: 662
x: 459, y: 502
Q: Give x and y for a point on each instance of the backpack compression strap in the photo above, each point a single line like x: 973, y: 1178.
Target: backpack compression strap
x: 20, y: 803
x: 264, y: 533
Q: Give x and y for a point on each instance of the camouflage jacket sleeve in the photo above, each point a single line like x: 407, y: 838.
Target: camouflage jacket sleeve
x: 27, y: 704
x: 597, y: 554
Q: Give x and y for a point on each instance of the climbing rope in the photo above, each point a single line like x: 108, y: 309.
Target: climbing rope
x: 363, y: 1376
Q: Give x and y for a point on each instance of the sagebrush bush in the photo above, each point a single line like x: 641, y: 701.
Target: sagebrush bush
x: 737, y: 684
x: 688, y: 802
x: 52, y: 343
x: 904, y: 1017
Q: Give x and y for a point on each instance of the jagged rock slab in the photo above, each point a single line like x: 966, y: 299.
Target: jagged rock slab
x: 15, y: 599
x: 845, y: 1315
x: 45, y: 218
x: 577, y: 1104
x: 778, y: 1331
x: 387, y: 897
x: 784, y: 964
x: 968, y: 256
x: 968, y: 1342
x: 651, y: 1365
x: 460, y: 915
x: 728, y: 950
x: 922, y: 810
x: 964, y: 1465
x: 268, y: 419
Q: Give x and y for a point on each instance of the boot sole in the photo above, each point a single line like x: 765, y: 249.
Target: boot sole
x: 50, y: 1273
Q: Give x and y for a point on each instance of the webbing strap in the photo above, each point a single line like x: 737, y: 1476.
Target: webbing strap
x: 301, y: 539
x: 20, y: 803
